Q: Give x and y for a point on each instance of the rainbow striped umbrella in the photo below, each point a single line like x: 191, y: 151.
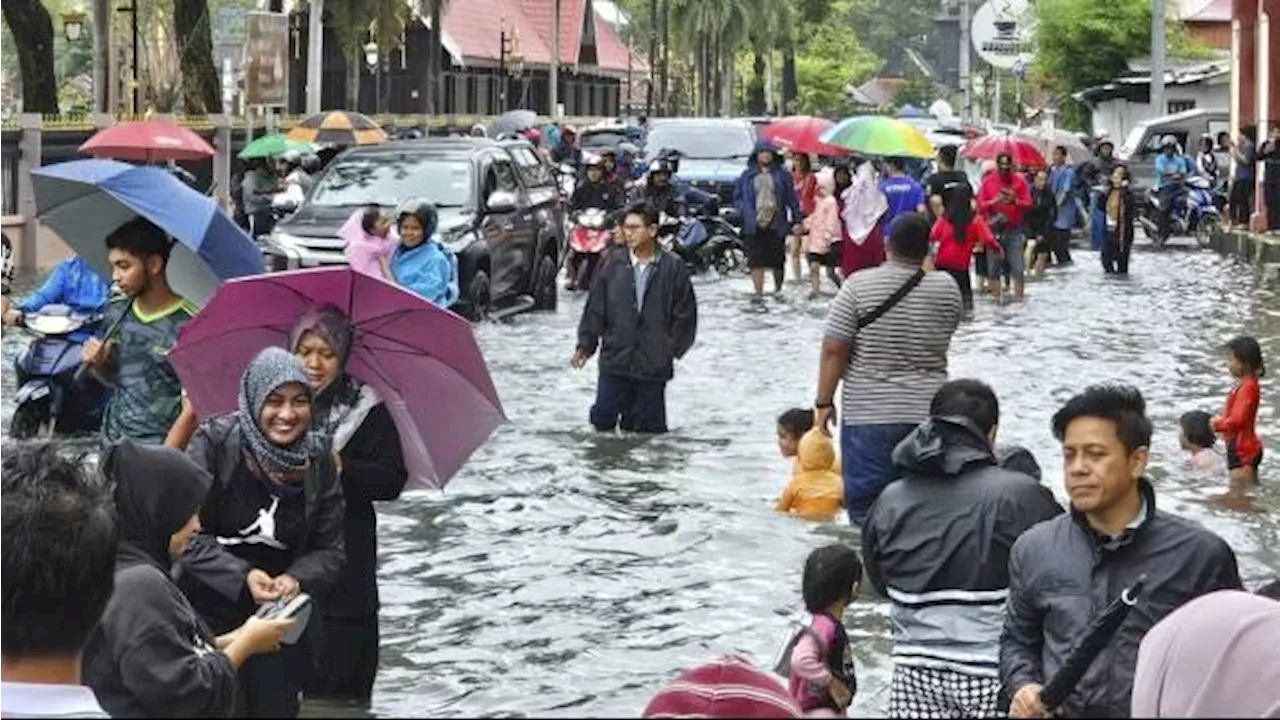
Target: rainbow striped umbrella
x: 879, y: 135
x: 338, y: 127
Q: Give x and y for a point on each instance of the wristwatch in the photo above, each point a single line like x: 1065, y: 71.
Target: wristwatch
x: 829, y: 405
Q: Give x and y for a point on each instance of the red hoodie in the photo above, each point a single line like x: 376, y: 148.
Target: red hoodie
x: 1236, y: 424
x: 955, y: 255
x: 989, y: 194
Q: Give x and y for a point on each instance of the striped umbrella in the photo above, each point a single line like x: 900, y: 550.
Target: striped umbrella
x: 338, y: 127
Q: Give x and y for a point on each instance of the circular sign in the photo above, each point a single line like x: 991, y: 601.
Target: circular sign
x: 1003, y: 31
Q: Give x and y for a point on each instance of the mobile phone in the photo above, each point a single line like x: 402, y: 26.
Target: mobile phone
x: 298, y: 609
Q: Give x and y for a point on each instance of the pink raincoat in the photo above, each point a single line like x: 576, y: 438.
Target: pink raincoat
x: 823, y: 224
x: 366, y: 252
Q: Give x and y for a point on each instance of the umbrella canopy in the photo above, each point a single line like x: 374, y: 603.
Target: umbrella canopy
x: 1046, y: 140
x: 272, y: 145
x: 422, y: 360
x: 911, y: 111
x: 338, y: 127
x: 149, y: 140
x: 513, y: 121
x: 1025, y: 154
x: 879, y: 135
x: 86, y: 200
x: 800, y: 134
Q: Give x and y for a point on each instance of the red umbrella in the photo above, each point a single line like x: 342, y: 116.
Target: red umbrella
x: 1026, y: 155
x: 148, y: 140
x: 800, y: 133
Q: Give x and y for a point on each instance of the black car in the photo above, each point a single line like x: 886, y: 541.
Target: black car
x: 501, y: 213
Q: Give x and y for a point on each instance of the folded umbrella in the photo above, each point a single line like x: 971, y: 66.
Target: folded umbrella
x: 86, y: 200
x: 422, y: 360
x: 148, y: 140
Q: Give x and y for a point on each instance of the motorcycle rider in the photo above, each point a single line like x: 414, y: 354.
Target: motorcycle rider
x: 668, y: 195
x: 1091, y: 181
x: 567, y: 152
x: 297, y: 181
x: 72, y: 283
x: 594, y: 192
x: 1172, y: 168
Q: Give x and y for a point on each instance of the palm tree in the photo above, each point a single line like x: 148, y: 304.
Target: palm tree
x: 356, y: 22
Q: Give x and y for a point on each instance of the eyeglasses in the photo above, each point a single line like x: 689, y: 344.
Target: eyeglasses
x: 633, y: 227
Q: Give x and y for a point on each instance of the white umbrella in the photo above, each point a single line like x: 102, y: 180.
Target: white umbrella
x: 1046, y: 140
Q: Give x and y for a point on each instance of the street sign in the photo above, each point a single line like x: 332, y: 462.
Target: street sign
x: 1003, y: 32
x: 266, y: 68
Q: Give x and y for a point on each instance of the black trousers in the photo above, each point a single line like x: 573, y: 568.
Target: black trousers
x: 1060, y: 245
x: 966, y: 286
x: 348, y: 659
x: 1169, y: 198
x: 270, y: 685
x: 1271, y: 194
x: 1115, y: 255
x: 634, y: 405
x: 1242, y: 192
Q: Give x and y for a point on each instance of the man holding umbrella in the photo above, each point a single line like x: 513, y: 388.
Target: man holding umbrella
x: 1114, y: 540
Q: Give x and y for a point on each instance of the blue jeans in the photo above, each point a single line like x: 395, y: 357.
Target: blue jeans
x: 1097, y: 221
x: 867, y: 454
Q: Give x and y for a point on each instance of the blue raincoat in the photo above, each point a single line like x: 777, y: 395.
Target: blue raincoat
x: 72, y: 283
x: 744, y: 194
x: 429, y: 270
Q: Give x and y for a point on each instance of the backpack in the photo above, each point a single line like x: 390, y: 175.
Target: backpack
x: 782, y: 665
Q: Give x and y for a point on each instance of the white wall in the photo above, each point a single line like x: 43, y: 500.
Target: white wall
x: 1117, y: 117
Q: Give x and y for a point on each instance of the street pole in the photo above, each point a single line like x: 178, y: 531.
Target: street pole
x: 315, y: 55
x: 102, y: 56
x: 133, y: 13
x: 965, y: 20
x: 1157, y: 57
x: 995, y: 103
x: 553, y: 92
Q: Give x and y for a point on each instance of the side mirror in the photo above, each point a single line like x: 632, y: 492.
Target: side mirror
x: 501, y: 201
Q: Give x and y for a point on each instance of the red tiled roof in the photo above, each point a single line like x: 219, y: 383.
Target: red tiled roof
x: 1211, y: 11
x: 473, y: 28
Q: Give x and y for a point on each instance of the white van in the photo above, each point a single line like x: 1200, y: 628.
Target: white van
x: 1140, y: 148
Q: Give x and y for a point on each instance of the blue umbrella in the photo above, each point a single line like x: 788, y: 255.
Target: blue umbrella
x: 85, y: 200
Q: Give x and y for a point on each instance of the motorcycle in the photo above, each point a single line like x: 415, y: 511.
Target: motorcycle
x: 704, y: 240
x: 49, y: 399
x: 590, y: 237
x: 1196, y: 213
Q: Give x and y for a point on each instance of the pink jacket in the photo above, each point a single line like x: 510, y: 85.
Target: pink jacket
x: 365, y: 252
x: 823, y: 225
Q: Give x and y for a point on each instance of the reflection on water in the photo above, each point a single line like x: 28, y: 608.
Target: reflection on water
x: 567, y: 573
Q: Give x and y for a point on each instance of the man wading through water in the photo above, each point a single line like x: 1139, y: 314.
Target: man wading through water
x: 766, y: 197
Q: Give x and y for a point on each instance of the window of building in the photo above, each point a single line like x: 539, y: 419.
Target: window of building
x: 1177, y: 106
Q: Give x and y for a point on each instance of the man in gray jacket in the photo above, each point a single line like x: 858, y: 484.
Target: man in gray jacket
x: 1063, y: 571
x: 936, y: 543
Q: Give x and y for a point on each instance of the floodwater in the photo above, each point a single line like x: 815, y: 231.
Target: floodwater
x: 569, y: 573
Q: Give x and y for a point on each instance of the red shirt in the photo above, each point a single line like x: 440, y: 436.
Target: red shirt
x: 1236, y: 424
x: 807, y: 190
x: 956, y: 255
x: 989, y: 191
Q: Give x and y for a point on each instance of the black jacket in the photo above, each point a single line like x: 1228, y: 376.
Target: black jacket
x: 151, y: 655
x: 317, y: 563
x: 636, y: 343
x: 602, y: 195
x: 1062, y: 572
x: 937, y: 542
x: 1043, y: 209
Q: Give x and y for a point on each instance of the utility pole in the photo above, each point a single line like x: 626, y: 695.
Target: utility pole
x: 102, y: 56
x: 966, y: 18
x: 1157, y: 57
x: 653, y: 56
x: 554, y: 89
x: 315, y: 55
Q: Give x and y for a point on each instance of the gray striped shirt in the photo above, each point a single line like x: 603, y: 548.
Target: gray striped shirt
x: 899, y: 361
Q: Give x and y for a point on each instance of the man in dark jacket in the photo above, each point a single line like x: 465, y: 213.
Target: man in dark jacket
x: 1094, y: 173
x: 1063, y: 571
x: 937, y: 545
x: 643, y: 315
x: 766, y: 197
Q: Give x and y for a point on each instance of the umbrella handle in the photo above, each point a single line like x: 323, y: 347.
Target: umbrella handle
x: 115, y: 327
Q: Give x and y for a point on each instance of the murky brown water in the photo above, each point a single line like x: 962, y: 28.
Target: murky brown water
x: 567, y: 573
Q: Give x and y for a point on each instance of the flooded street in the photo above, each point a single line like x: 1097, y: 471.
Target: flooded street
x: 568, y: 573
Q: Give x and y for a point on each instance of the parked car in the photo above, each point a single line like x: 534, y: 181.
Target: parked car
x: 713, y: 151
x: 1142, y: 145
x: 501, y: 213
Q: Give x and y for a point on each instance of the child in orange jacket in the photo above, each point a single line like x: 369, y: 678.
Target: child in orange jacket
x: 816, y: 492
x: 1236, y: 423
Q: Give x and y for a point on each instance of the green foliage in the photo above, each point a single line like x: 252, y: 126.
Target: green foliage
x: 885, y: 27
x: 828, y: 59
x: 917, y: 89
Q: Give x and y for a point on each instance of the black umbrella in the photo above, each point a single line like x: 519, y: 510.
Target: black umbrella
x: 1101, y: 629
x: 513, y: 121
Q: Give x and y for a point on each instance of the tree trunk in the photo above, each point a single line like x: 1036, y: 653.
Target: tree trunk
x: 716, y: 77
x: 755, y: 94
x: 653, y: 56
x: 353, y: 80
x: 32, y: 30
x: 790, y: 86
x: 429, y: 88
x: 666, y: 60
x: 728, y: 77
x: 201, y: 90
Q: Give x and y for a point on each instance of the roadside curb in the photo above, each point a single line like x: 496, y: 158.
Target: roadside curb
x: 1261, y: 251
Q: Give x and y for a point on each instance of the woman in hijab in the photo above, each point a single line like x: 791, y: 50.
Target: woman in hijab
x: 367, y: 444
x: 420, y: 263
x: 1216, y: 656
x: 271, y: 526
x: 151, y: 655
x: 861, y: 206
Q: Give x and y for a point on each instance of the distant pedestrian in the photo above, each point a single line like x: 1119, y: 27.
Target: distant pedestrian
x: 766, y: 197
x: 1269, y: 155
x: 1062, y: 179
x: 822, y: 231
x: 1040, y: 222
x: 805, y: 181
x: 887, y: 337
x: 1245, y: 154
x: 862, y: 205
x: 59, y: 547
x: 642, y: 315
x: 1118, y: 209
x: 1237, y: 422
x: 1064, y: 570
x: 940, y: 185
x: 956, y: 236
x: 1092, y: 181
x: 903, y: 193
x: 1004, y: 199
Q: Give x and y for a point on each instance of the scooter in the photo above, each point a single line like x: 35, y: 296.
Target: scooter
x: 49, y: 399
x: 1195, y: 213
x: 590, y: 237
x: 704, y: 241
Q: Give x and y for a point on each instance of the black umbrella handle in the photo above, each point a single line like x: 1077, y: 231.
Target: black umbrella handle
x: 1095, y: 637
x: 111, y: 331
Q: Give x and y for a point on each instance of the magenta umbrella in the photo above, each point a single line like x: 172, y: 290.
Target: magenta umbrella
x: 422, y: 360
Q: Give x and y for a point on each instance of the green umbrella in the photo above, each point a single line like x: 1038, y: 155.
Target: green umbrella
x: 272, y: 145
x: 879, y: 135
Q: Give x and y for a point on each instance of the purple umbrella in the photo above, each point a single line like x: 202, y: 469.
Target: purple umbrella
x: 422, y: 360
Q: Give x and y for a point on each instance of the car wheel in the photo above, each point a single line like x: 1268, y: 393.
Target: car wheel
x: 545, y: 293
x: 477, y: 307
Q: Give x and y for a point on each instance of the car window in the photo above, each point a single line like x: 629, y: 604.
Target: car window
x: 718, y: 141
x: 599, y: 139
x: 532, y: 170
x: 500, y: 176
x: 391, y: 178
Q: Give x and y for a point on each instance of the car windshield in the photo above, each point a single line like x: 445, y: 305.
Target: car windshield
x: 1130, y: 145
x: 389, y: 179
x: 602, y: 139
x: 702, y: 142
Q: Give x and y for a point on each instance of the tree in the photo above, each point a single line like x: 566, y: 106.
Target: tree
x: 886, y: 27
x: 32, y: 31
x: 918, y: 89
x: 201, y: 89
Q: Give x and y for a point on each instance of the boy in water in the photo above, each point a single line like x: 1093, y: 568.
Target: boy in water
x: 146, y: 402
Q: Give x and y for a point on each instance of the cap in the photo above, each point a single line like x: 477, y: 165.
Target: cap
x: 729, y: 687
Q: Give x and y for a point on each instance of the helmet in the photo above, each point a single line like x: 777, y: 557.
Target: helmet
x: 590, y: 159
x: 421, y: 209
x: 1169, y: 141
x: 627, y: 148
x: 291, y: 157
x: 661, y: 165
x: 533, y: 135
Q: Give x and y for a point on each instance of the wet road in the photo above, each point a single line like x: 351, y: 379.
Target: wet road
x: 567, y: 573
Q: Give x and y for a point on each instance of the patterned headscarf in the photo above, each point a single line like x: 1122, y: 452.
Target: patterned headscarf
x: 270, y: 370
x: 333, y: 401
